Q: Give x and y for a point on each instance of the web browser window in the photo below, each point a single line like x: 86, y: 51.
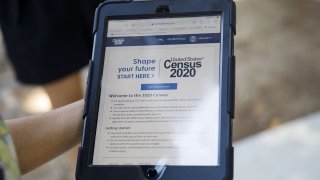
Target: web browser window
x: 159, y: 102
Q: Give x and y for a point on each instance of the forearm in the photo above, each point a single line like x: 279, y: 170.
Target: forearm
x: 40, y: 138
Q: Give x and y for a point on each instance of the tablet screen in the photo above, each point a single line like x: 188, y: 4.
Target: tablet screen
x: 159, y: 101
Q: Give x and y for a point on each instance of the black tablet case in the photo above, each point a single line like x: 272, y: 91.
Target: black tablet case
x: 85, y: 169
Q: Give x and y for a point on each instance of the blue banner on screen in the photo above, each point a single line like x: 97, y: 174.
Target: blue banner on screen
x: 161, y: 86
x: 164, y: 40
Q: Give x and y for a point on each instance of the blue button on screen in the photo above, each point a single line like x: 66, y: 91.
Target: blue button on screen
x: 161, y: 86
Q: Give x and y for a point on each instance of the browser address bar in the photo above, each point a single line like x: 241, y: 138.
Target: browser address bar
x: 162, y: 27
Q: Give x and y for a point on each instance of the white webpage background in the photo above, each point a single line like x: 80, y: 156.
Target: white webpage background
x: 194, y: 141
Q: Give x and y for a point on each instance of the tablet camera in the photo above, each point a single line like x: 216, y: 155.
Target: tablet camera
x: 163, y: 9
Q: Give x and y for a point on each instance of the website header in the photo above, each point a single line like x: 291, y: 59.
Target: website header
x: 164, y: 26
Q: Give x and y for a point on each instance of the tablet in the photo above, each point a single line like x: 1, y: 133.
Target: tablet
x: 160, y: 92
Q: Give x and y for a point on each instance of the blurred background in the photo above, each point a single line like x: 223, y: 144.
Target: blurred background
x: 277, y: 124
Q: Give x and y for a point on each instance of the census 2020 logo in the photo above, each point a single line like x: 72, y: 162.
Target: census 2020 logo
x: 118, y: 41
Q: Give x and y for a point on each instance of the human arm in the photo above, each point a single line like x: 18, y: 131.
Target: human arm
x: 40, y: 138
